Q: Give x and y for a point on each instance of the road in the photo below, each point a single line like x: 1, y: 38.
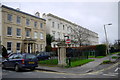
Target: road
x: 110, y: 72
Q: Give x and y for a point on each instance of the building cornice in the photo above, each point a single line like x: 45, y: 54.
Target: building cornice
x: 3, y: 6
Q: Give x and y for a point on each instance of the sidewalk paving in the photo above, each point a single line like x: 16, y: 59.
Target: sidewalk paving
x: 80, y: 69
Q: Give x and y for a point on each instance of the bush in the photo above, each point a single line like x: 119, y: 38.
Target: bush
x: 114, y: 57
x: 101, y: 50
x: 48, y: 48
x: 106, y: 62
x: 118, y: 54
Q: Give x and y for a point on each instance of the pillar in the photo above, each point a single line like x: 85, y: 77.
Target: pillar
x: 62, y: 55
x: 27, y: 48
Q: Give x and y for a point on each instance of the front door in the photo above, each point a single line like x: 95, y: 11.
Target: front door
x: 28, y: 48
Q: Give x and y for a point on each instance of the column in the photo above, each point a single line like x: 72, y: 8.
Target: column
x: 62, y: 55
x: 34, y: 48
x: 27, y: 48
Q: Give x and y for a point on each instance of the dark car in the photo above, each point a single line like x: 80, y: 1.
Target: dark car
x: 20, y: 61
x: 43, y: 56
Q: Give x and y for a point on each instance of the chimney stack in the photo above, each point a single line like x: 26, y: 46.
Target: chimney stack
x: 37, y: 14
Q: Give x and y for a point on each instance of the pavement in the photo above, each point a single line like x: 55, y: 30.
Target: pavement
x: 89, y: 67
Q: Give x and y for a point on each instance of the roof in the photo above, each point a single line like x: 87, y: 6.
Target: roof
x: 61, y: 19
x: 22, y: 12
x: 49, y: 14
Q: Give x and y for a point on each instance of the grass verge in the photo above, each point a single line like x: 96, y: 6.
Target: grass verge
x: 96, y: 57
x: 80, y: 62
x: 73, y: 63
x: 106, y: 62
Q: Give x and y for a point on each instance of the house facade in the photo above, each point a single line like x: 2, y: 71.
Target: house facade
x: 62, y: 29
x: 21, y: 32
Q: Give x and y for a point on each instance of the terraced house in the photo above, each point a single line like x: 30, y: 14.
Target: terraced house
x: 59, y: 28
x: 22, y: 32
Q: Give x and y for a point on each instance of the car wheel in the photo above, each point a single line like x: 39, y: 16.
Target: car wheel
x: 17, y: 68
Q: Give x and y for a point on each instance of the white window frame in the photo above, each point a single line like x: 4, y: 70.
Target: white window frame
x: 18, y: 21
x: 35, y: 35
x: 41, y: 35
x: 7, y: 31
x: 17, y: 31
x: 9, y: 16
x: 7, y: 46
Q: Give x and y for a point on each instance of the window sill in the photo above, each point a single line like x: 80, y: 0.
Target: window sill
x: 18, y: 36
x: 9, y: 35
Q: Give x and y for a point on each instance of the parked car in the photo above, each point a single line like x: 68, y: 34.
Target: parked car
x: 20, y: 61
x: 43, y: 56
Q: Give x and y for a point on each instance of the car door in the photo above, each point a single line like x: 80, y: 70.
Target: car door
x: 16, y: 60
x: 7, y: 62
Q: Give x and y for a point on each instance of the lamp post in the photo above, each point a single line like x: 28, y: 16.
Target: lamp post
x: 107, y: 41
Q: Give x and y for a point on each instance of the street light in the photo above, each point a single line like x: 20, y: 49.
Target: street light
x: 107, y: 41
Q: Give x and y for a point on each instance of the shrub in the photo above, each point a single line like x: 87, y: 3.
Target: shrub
x: 48, y: 48
x: 106, y: 62
x: 114, y: 57
x: 101, y: 50
x: 118, y: 54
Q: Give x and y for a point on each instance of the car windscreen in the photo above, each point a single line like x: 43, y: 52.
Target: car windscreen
x: 29, y: 56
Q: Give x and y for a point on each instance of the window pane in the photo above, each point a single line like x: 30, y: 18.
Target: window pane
x: 18, y: 19
x: 58, y: 26
x: 18, y: 46
x: 27, y: 33
x: 30, y: 56
x: 27, y: 22
x: 9, y: 17
x: 35, y: 35
x: 35, y: 24
x: 41, y: 36
x: 41, y: 25
x: 9, y: 45
x: 53, y: 24
x: 9, y: 31
x: 18, y: 32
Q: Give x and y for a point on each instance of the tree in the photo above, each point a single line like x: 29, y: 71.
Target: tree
x: 49, y: 39
x: 4, y: 52
x: 81, y: 35
x: 117, y: 45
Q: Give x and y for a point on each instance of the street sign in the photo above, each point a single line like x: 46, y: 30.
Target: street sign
x: 68, y: 41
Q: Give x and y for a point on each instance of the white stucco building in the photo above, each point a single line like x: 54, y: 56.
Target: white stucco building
x: 59, y: 28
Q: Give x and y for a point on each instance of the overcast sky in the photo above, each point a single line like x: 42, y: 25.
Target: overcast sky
x: 91, y: 15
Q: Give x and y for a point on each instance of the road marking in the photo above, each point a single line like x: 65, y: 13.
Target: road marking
x: 111, y: 74
x: 117, y: 69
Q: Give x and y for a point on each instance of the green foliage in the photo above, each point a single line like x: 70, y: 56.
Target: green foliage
x: 49, y: 62
x: 114, y: 57
x: 74, y: 63
x: 106, y: 62
x: 100, y: 56
x: 101, y: 50
x: 80, y: 62
x: 96, y: 57
x: 4, y: 51
x: 48, y: 48
x: 49, y: 39
x: 118, y: 54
